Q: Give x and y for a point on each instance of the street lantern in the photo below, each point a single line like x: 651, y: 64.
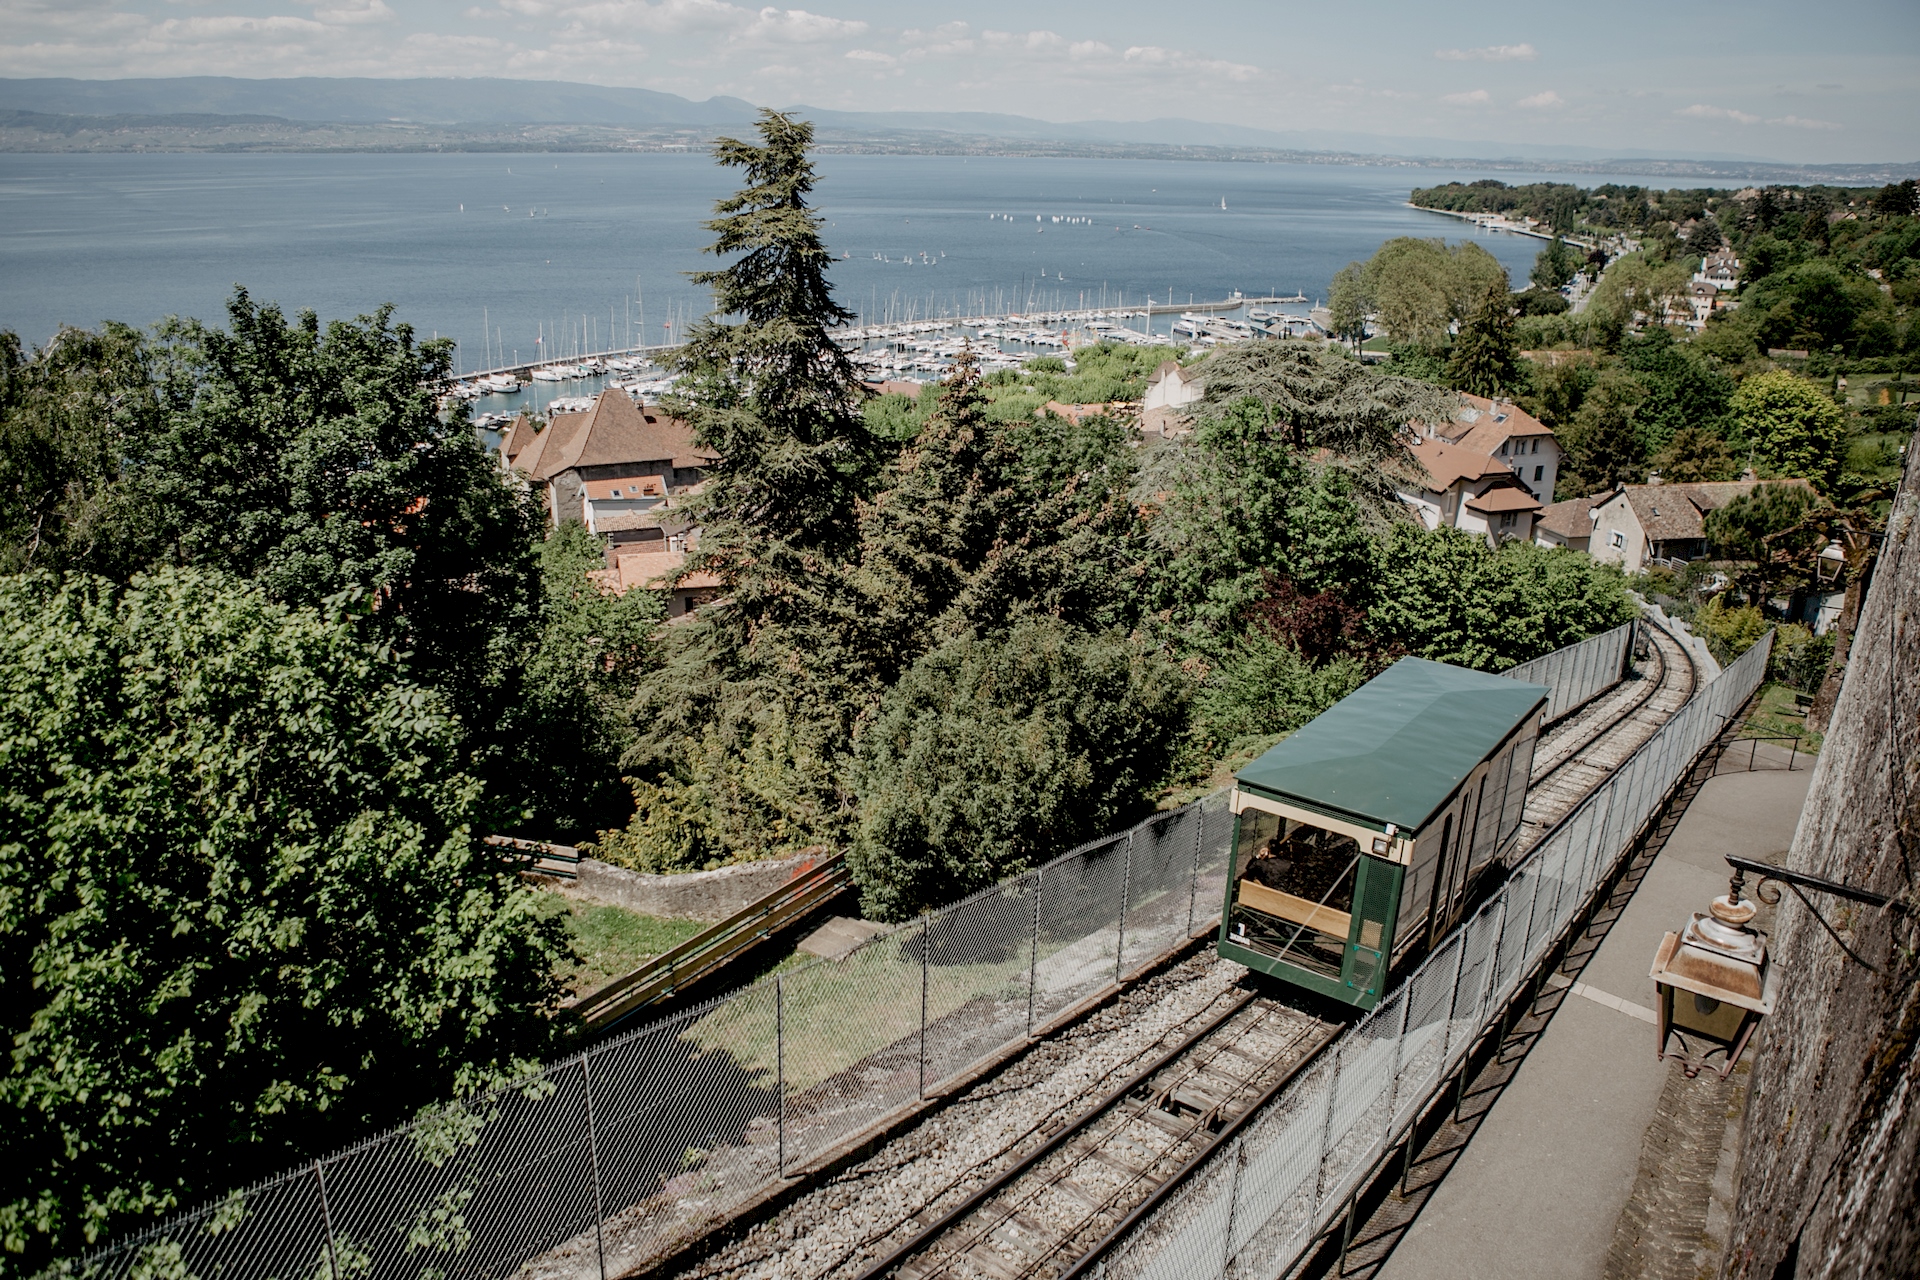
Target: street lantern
x: 1830, y: 563
x: 1714, y: 985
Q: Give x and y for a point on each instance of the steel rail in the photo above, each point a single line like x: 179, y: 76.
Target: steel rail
x: 1228, y: 1131
x: 993, y: 1186
x: 1607, y: 726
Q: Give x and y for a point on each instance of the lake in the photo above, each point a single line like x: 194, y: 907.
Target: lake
x: 550, y: 253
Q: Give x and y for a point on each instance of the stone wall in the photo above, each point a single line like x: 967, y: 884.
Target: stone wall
x: 693, y: 895
x: 1829, y: 1181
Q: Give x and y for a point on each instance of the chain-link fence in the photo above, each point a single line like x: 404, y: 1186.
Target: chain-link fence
x: 1263, y: 1198
x: 1580, y: 671
x: 647, y: 1140
x: 617, y: 1155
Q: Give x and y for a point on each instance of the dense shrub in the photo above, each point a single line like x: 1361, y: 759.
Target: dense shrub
x: 991, y: 755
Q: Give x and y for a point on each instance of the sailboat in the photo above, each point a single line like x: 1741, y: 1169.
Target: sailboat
x: 1223, y: 204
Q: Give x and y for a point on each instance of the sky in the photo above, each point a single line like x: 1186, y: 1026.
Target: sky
x: 1805, y: 82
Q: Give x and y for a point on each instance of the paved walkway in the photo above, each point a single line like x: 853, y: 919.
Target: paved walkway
x: 1590, y: 1125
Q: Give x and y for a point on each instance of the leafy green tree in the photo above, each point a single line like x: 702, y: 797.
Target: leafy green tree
x: 1349, y: 301
x: 1794, y: 428
x: 770, y: 392
x: 1683, y: 389
x: 311, y: 459
x: 245, y: 916
x: 1445, y: 595
x: 1421, y: 288
x: 1265, y: 686
x: 70, y: 414
x: 741, y: 730
x: 990, y: 756
x: 958, y: 542
x: 1749, y: 531
x: 1603, y: 442
x: 578, y: 674
x: 1540, y: 302
x: 1815, y: 305
x: 1695, y: 454
x: 1555, y: 266
x: 1251, y: 492
x: 1484, y: 360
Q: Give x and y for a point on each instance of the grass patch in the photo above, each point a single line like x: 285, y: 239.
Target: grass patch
x: 611, y: 941
x: 1777, y: 715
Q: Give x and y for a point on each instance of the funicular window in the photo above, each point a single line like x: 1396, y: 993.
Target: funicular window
x: 1295, y: 895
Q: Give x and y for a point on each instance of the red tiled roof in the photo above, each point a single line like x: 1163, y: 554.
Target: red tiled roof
x: 615, y: 431
x: 1487, y: 423
x: 653, y: 570
x: 1448, y: 463
x: 1504, y: 498
x: 1572, y: 518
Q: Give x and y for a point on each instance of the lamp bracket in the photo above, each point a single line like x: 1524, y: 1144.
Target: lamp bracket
x: 1772, y: 877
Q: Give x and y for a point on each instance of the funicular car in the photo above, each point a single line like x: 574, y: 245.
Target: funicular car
x: 1360, y: 840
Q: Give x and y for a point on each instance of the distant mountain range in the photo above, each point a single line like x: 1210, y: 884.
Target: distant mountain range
x: 493, y: 103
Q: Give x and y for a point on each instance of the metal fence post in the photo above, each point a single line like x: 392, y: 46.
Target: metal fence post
x: 1453, y: 1000
x: 1193, y: 883
x: 1326, y: 1139
x: 1033, y: 955
x: 780, y: 1071
x: 326, y: 1221
x: 593, y: 1163
x: 1233, y: 1208
x: 1126, y: 887
x: 1399, y: 1051
x: 926, y: 964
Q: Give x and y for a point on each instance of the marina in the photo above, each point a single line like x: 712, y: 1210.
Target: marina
x: 907, y: 352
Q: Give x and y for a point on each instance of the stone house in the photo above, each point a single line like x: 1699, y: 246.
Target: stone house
x: 1567, y: 524
x: 615, y: 467
x: 1639, y: 524
x: 1487, y: 470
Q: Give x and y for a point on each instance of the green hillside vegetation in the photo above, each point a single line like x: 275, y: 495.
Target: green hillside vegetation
x: 1808, y: 376
x: 1101, y: 374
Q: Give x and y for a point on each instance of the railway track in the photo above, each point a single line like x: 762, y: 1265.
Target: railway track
x: 1045, y: 1205
x: 1582, y: 751
x: 1040, y: 1215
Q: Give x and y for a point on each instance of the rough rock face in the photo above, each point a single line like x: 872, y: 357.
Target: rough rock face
x: 1830, y: 1171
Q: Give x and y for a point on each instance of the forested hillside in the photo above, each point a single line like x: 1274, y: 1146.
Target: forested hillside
x: 1804, y: 371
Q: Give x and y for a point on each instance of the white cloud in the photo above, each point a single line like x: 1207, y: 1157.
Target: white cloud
x: 1470, y: 98
x: 1489, y: 53
x: 871, y: 55
x: 1544, y: 101
x: 1701, y: 111
x: 354, y: 12
x: 1179, y: 60
x: 797, y: 26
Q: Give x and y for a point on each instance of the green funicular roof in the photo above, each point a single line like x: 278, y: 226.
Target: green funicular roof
x: 1394, y: 749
